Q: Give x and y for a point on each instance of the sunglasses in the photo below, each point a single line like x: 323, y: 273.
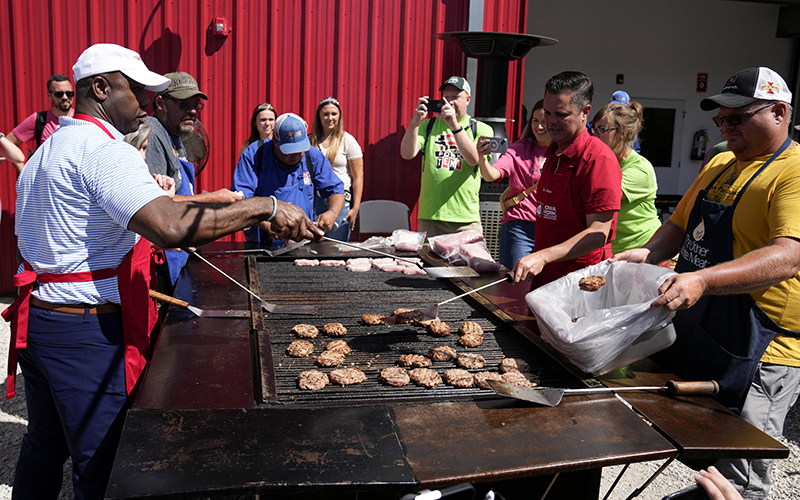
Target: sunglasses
x: 738, y: 118
x: 60, y: 93
x: 187, y: 105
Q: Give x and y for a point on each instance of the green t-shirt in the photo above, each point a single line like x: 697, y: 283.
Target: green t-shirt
x: 638, y: 218
x: 449, y: 187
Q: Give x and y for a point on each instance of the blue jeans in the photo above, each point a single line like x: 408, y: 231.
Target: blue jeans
x: 341, y: 228
x: 516, y: 241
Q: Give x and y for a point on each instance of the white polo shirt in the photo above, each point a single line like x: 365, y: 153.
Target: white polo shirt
x: 75, y: 198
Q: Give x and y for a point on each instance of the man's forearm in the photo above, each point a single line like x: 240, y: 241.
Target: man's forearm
x: 336, y: 203
x: 467, y: 148
x: 408, y: 146
x: 665, y: 243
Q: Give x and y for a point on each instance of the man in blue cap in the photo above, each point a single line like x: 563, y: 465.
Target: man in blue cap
x: 287, y: 168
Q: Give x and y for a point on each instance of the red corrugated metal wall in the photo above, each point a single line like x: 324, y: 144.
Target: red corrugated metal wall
x: 375, y: 56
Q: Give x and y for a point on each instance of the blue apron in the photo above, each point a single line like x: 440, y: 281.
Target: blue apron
x: 298, y: 190
x: 175, y: 259
x: 721, y: 337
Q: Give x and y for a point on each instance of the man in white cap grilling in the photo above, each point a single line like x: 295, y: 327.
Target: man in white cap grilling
x: 81, y: 324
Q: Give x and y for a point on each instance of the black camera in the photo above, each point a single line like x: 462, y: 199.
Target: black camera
x: 435, y: 105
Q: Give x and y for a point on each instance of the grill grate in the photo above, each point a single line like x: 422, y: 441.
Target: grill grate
x: 343, y: 297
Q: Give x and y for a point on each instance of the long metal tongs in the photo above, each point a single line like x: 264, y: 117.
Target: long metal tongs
x: 271, y: 308
x: 435, y: 272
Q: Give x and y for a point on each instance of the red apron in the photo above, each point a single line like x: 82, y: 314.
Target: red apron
x: 139, y: 313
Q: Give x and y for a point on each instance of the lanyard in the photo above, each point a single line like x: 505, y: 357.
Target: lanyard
x: 92, y: 119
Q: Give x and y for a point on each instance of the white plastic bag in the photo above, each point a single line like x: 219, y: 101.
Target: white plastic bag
x: 608, y: 320
x: 446, y: 245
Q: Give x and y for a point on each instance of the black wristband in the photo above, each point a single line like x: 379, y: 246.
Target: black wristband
x: 460, y: 129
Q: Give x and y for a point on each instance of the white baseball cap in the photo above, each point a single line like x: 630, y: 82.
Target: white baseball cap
x: 109, y: 57
x: 747, y: 86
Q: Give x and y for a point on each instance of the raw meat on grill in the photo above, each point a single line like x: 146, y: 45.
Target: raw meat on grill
x: 306, y: 262
x: 410, y: 271
x: 359, y: 265
x: 332, y: 263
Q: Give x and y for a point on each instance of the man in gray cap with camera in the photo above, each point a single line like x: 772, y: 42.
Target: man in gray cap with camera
x: 737, y: 294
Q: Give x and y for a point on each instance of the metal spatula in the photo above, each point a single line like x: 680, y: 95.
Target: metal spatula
x: 200, y: 313
x: 551, y: 396
x: 432, y: 312
x: 271, y: 308
x: 435, y: 272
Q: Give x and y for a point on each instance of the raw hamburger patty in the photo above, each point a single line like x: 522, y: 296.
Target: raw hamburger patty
x: 339, y: 346
x: 442, y: 353
x: 347, y: 376
x: 300, y: 349
x: 438, y: 328
x: 305, y: 331
x: 330, y: 358
x: 591, y: 283
x: 334, y: 329
x: 425, y: 377
x: 458, y: 377
x: 408, y: 316
x: 514, y: 365
x: 414, y: 360
x: 470, y: 327
x: 482, y: 377
x: 471, y: 340
x: 521, y: 379
x: 372, y: 319
x: 312, y: 380
x: 471, y: 361
x: 395, y: 376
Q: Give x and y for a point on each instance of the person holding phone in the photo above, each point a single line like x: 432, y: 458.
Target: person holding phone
x: 448, y: 198
x: 522, y: 164
x: 617, y: 125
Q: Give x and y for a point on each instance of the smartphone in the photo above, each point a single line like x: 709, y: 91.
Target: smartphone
x: 497, y: 144
x: 693, y: 492
x: 435, y: 105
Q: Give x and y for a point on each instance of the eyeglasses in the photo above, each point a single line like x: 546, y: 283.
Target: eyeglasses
x: 738, y: 118
x: 60, y: 93
x: 187, y: 105
x: 602, y: 130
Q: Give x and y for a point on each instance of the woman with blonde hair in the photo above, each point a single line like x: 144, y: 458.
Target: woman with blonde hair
x: 347, y: 159
x: 617, y: 125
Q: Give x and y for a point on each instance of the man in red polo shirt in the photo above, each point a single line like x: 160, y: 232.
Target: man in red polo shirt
x: 580, y: 190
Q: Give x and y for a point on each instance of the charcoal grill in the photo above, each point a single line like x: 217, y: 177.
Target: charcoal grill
x: 344, y: 296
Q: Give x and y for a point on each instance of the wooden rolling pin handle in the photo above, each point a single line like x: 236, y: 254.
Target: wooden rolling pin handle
x: 168, y: 299
x: 675, y: 388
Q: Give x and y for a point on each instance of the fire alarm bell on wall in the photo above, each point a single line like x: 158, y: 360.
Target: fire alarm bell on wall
x: 221, y: 26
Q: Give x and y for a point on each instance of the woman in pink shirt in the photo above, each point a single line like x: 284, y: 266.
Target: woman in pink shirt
x: 522, y: 164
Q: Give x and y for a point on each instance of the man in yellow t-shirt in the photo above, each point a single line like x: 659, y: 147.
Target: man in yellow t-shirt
x: 738, y: 291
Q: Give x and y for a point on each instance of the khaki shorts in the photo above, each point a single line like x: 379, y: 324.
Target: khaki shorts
x: 437, y: 227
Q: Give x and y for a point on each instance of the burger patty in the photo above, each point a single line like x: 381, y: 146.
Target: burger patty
x: 470, y: 327
x: 300, y: 349
x: 521, y: 379
x: 471, y: 340
x: 334, y: 329
x: 442, y: 353
x: 330, y: 358
x: 425, y: 377
x: 347, y: 376
x: 409, y: 316
x: 395, y: 376
x: 438, y: 328
x: 372, y: 319
x: 591, y: 283
x: 514, y: 365
x: 305, y: 331
x: 339, y: 346
x: 414, y: 360
x: 482, y: 377
x: 458, y: 377
x: 312, y: 380
x: 470, y: 360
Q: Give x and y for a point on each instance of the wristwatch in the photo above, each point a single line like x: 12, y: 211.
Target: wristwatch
x: 460, y: 129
